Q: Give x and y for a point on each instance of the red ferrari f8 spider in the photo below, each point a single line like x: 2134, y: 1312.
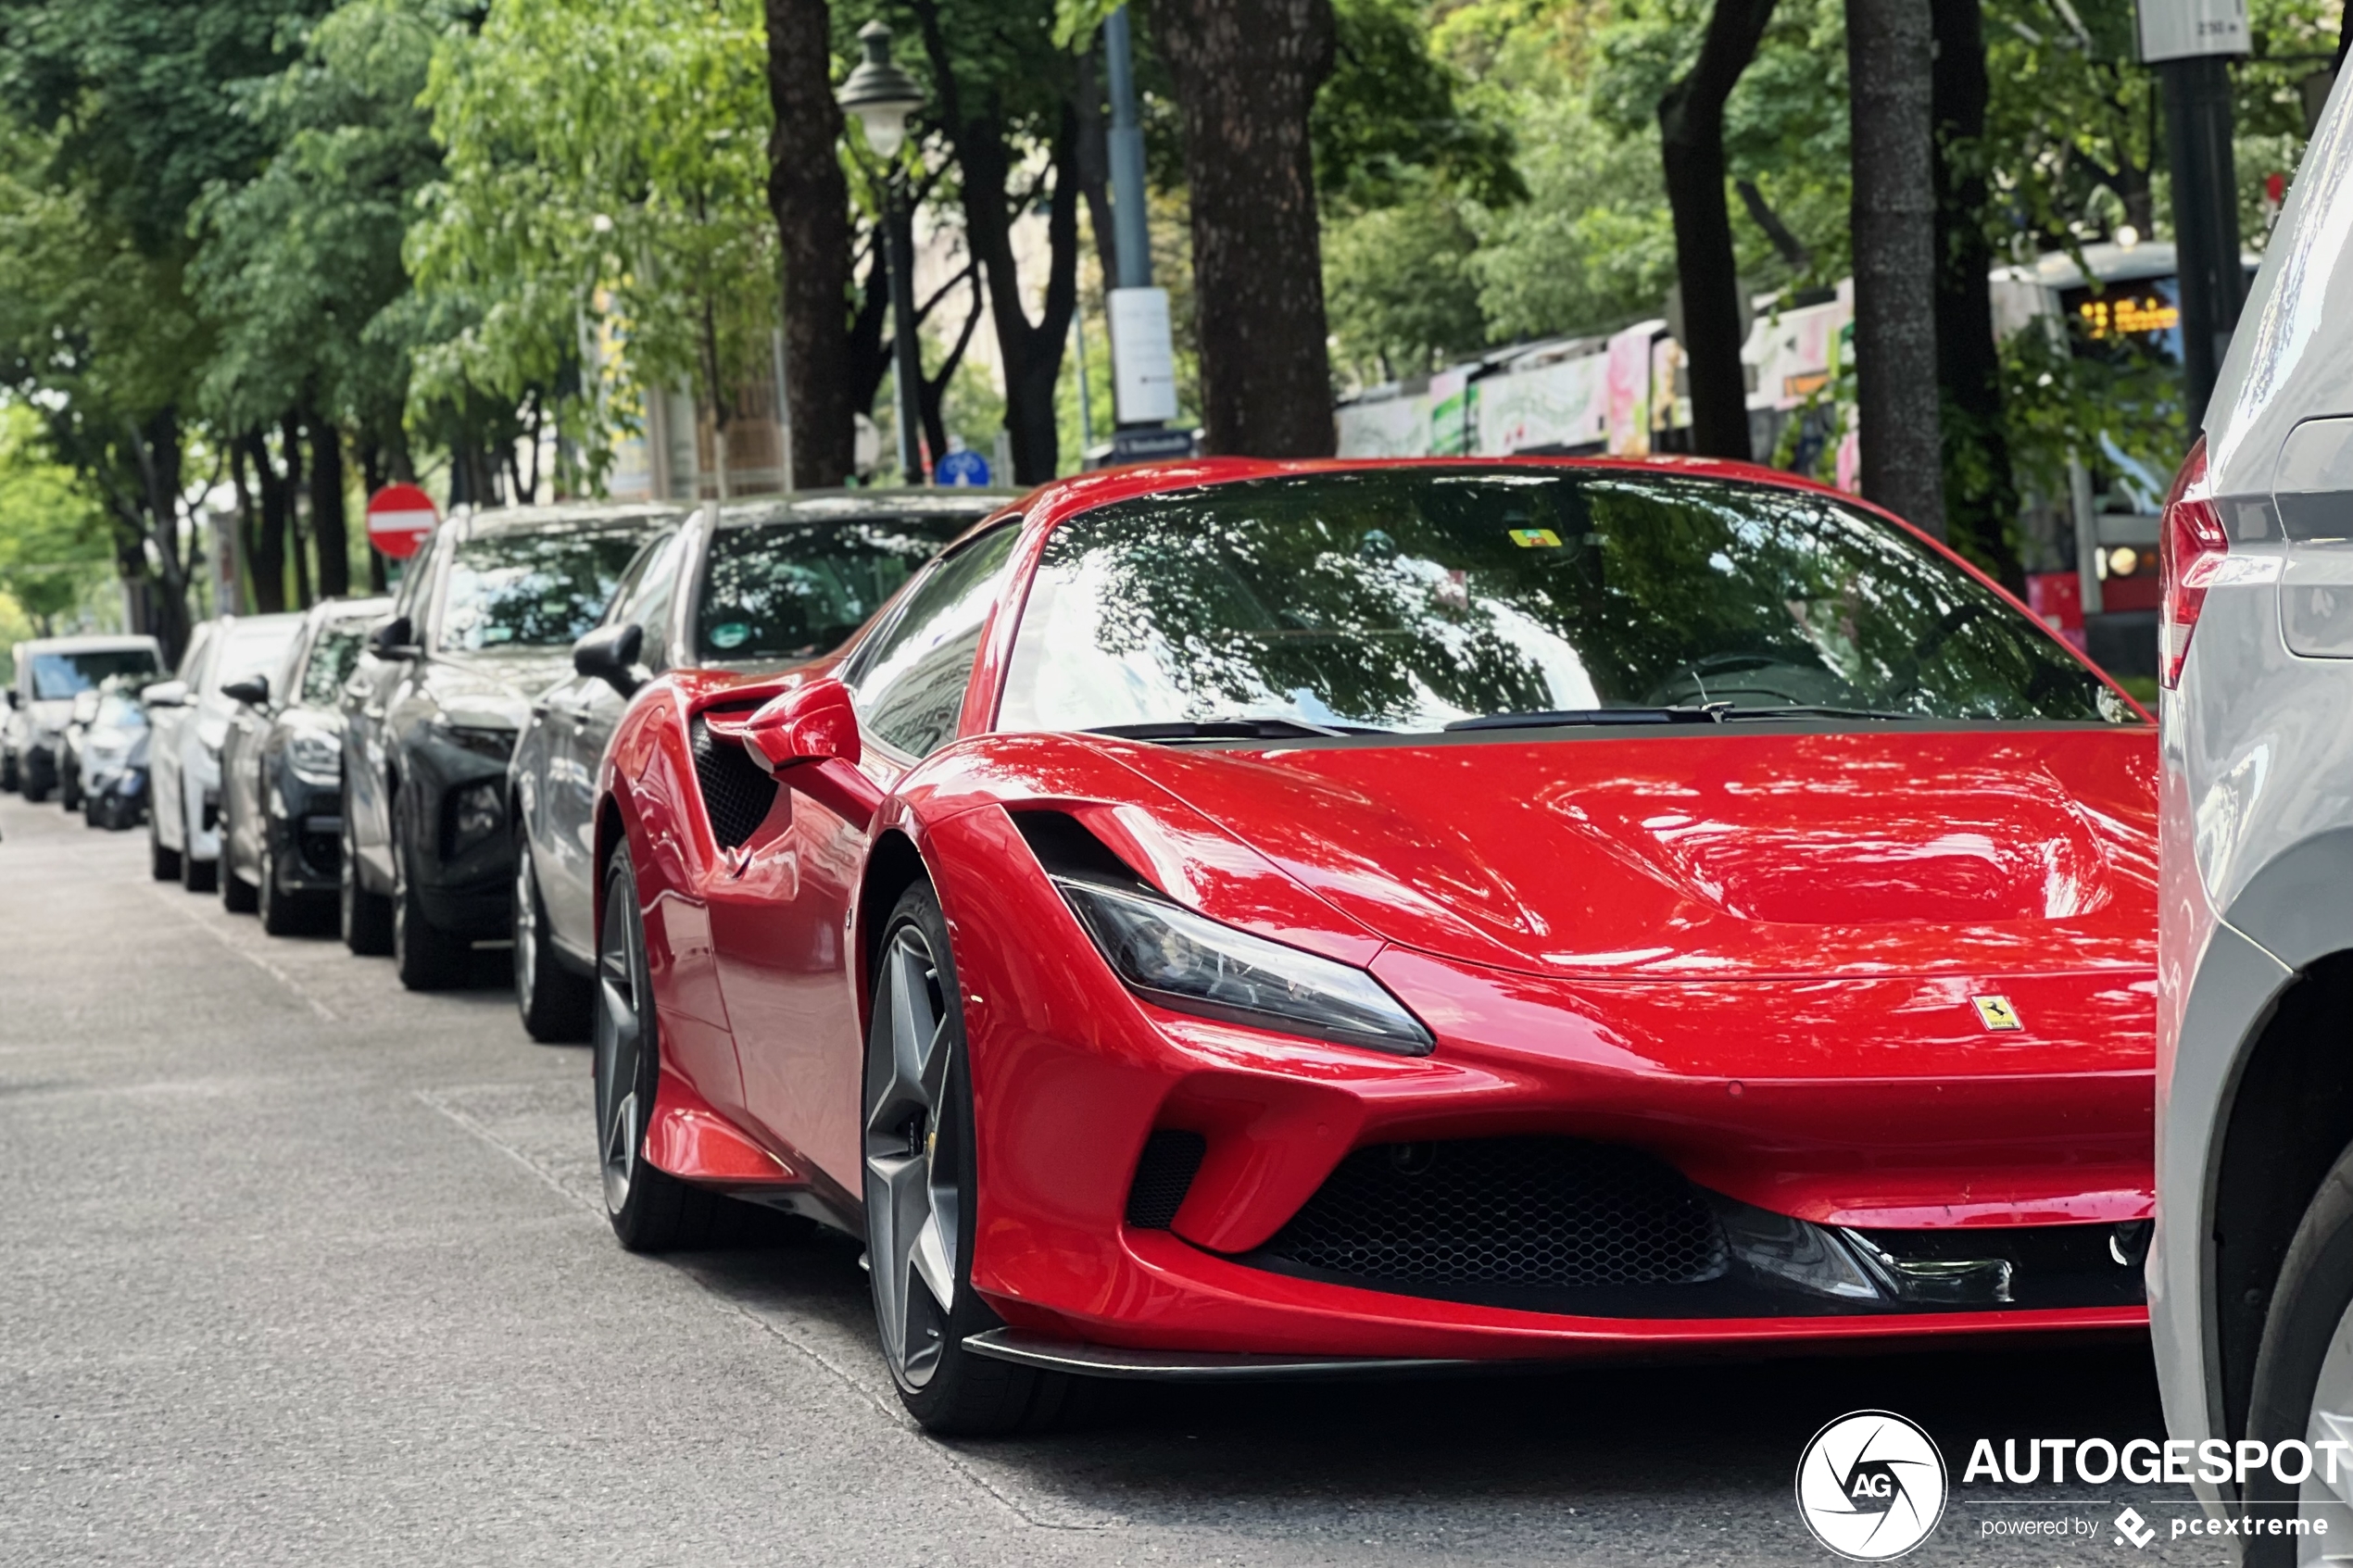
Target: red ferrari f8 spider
x: 1268, y: 919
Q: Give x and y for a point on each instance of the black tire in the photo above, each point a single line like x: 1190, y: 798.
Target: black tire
x: 8, y: 774
x: 70, y: 790
x: 197, y: 876
x: 283, y: 913
x: 34, y: 793
x: 162, y: 864
x: 959, y: 1393
x: 364, y: 918
x: 426, y: 957
x: 555, y: 1003
x: 237, y: 895
x: 2314, y: 1293
x: 651, y: 1210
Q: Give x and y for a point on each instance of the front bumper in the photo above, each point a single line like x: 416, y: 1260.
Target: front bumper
x: 463, y: 868
x: 1878, y: 1108
x: 306, y: 826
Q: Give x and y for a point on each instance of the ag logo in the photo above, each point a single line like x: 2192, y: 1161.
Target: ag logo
x: 1870, y: 1486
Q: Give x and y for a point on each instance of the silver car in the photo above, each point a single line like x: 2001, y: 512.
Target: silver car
x: 188, y: 718
x: 2251, y: 1276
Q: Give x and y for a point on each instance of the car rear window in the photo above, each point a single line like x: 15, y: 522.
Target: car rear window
x: 1409, y: 600
x: 57, y: 676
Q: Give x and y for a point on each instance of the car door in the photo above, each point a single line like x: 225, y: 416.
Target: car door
x: 781, y: 926
x: 366, y: 759
x: 581, y: 714
x: 243, y: 786
x: 171, y: 729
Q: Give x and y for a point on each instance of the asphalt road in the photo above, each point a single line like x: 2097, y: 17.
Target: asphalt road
x: 298, y: 1269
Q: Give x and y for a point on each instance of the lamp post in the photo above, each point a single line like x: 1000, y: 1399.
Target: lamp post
x: 881, y: 97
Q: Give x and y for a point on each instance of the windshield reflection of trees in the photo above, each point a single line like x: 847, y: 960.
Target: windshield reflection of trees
x: 531, y: 590
x: 792, y: 590
x: 1408, y: 601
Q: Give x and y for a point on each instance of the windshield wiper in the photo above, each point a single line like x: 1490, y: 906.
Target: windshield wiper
x: 1810, y: 710
x: 1233, y: 729
x: 1558, y: 717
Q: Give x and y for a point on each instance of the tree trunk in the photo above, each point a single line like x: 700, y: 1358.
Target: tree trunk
x: 1246, y: 73
x: 1691, y: 128
x: 1894, y: 225
x: 810, y: 201
x: 1030, y: 352
x: 1981, y: 501
x: 330, y: 525
x: 265, y: 532
x: 290, y: 437
x: 1091, y: 162
x: 375, y: 474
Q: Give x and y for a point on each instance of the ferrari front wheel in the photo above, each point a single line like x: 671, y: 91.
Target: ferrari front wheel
x: 921, y: 1187
x: 651, y: 1210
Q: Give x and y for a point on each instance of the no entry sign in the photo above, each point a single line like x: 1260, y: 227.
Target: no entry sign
x: 400, y: 516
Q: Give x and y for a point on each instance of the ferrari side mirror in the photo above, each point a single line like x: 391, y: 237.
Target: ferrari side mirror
x: 253, y: 691
x: 811, y: 724
x: 609, y: 654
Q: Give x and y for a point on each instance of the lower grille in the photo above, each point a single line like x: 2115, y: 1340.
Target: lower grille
x: 736, y: 793
x: 1519, y: 1213
x: 1163, y: 1177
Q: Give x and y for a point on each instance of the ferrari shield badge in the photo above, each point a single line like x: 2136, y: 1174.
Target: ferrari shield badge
x: 1996, y: 1013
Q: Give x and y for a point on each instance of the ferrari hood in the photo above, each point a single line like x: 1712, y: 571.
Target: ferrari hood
x: 1717, y: 854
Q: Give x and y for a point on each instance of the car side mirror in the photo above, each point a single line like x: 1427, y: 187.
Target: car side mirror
x: 609, y: 654
x: 395, y: 639
x: 15, y: 701
x: 165, y: 693
x: 253, y: 691
x: 813, y: 722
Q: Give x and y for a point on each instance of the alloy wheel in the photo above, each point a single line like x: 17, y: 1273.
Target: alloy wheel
x: 619, y: 1042
x: 914, y: 1202
x: 2324, y: 1499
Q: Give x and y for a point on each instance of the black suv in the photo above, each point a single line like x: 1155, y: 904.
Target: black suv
x: 485, y: 621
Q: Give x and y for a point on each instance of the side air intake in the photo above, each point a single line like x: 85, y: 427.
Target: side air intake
x: 1163, y: 1176
x: 736, y: 794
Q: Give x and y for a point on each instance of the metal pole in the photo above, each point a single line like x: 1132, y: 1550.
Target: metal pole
x: 2206, y: 217
x: 907, y: 361
x: 1131, y: 234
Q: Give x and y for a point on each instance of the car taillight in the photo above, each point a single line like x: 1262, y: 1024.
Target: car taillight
x: 2191, y: 545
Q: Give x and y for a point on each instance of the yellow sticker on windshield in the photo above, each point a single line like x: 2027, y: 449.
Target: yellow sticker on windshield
x: 1536, y: 539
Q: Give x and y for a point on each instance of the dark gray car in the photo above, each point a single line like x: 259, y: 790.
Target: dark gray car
x: 282, y: 773
x: 743, y: 585
x: 484, y: 623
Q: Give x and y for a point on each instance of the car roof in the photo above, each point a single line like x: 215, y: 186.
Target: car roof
x: 94, y: 641
x: 953, y: 503
x: 350, y: 609
x: 490, y: 523
x: 1064, y: 498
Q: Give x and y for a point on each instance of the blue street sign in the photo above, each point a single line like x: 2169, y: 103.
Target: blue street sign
x: 965, y: 467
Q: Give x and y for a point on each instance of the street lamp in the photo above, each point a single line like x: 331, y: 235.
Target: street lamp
x: 881, y: 97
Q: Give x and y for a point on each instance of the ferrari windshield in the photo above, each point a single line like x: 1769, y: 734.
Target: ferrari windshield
x: 1410, y: 599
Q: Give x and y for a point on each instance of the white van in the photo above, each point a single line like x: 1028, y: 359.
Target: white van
x: 50, y: 672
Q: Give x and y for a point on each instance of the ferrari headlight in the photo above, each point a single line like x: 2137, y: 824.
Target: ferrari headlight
x: 1191, y: 963
x: 316, y: 757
